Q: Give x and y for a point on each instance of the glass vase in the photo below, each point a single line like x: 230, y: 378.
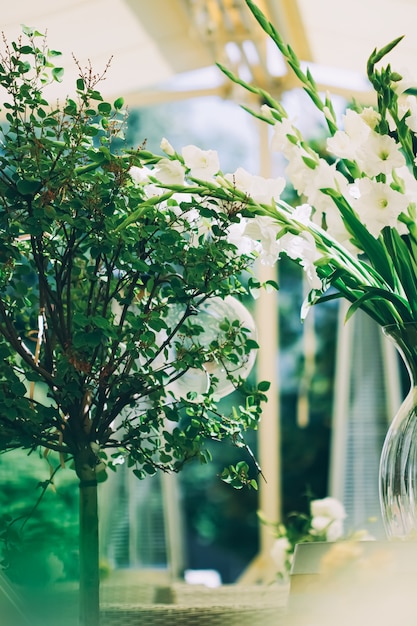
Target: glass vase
x: 398, y: 464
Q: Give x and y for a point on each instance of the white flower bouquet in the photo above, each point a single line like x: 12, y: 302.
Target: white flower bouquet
x: 324, y: 522
x: 354, y: 229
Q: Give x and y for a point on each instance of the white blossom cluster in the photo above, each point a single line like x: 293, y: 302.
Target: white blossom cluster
x: 325, y: 523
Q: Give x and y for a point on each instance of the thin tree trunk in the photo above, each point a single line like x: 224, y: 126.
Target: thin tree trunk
x: 89, y: 596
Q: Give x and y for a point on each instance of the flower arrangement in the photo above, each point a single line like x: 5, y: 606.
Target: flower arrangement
x: 324, y: 522
x: 354, y: 229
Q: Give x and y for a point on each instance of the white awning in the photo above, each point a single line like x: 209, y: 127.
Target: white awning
x: 151, y: 42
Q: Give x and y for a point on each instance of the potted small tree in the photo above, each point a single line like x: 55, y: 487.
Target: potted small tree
x: 109, y: 284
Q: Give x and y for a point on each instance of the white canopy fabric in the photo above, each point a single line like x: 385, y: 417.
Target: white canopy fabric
x: 152, y: 41
x: 148, y: 41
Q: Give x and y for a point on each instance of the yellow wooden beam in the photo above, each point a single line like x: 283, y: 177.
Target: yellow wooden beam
x: 287, y: 19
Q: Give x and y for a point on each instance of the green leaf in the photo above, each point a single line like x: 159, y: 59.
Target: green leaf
x: 309, y: 162
x: 374, y: 293
x: 95, y: 95
x: 264, y: 385
x: 31, y: 32
x: 149, y: 469
x: 118, y: 103
x: 104, y: 108
x: 28, y: 187
x: 58, y: 74
x: 374, y: 249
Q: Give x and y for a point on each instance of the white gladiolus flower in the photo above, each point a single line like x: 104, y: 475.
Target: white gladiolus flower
x: 264, y: 229
x: 332, y: 528
x: 310, y: 183
x: 370, y: 116
x: 260, y: 189
x: 169, y: 172
x: 407, y: 80
x: 328, y: 507
x: 379, y: 154
x: 266, y: 111
x: 357, y: 127
x: 280, y: 554
x: 203, y: 164
x: 378, y: 205
x: 280, y: 141
x: 324, y: 175
x: 303, y: 248
x: 341, y: 145
x: 243, y: 243
x: 408, y: 182
x: 298, y: 172
x: 302, y: 213
x: 411, y: 108
x: 139, y: 174
x: 335, y: 530
x: 327, y: 516
x: 166, y: 147
x: 345, y: 143
x: 328, y: 114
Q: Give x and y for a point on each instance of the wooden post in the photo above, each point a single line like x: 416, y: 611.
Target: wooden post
x: 262, y: 569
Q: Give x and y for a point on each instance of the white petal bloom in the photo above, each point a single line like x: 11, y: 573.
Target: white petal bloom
x: 328, y: 507
x: 370, y: 116
x: 298, y: 172
x: 203, y: 164
x: 236, y: 236
x: 323, y: 176
x: 169, y: 172
x: 302, y: 213
x: 411, y: 109
x: 378, y: 205
x: 260, y: 189
x: 319, y: 524
x: 280, y: 554
x: 139, y: 174
x: 333, y: 529
x: 357, y: 127
x: 264, y: 229
x: 266, y: 111
x: 407, y: 81
x: 302, y: 248
x: 166, y: 147
x: 341, y: 145
x: 328, y: 113
x: 379, y: 154
x: 280, y: 141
